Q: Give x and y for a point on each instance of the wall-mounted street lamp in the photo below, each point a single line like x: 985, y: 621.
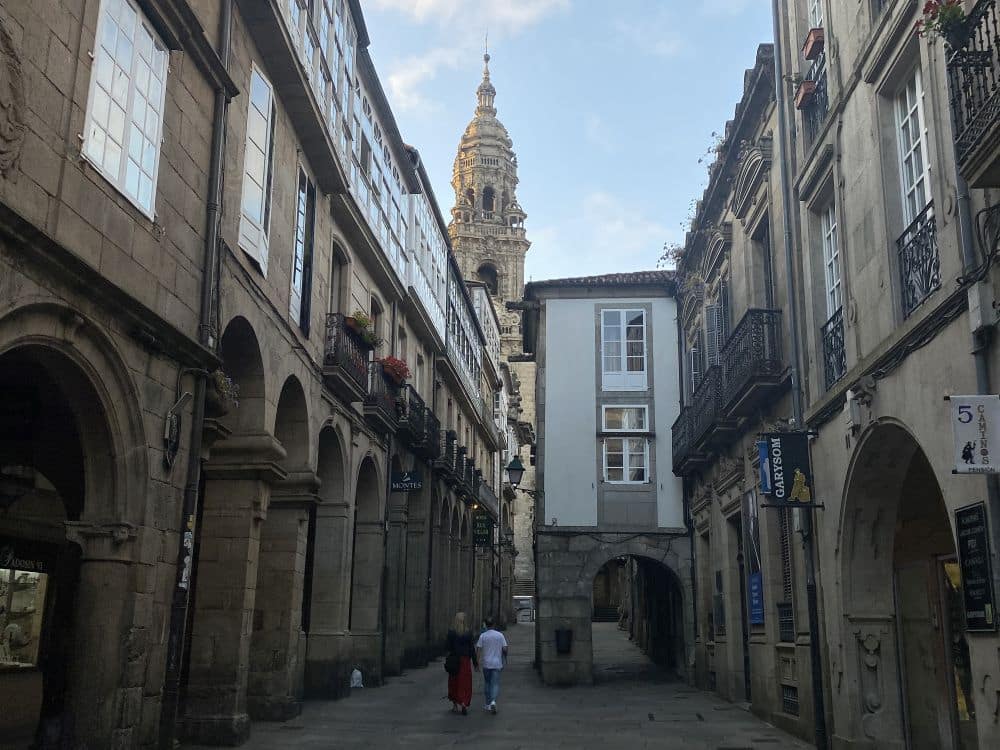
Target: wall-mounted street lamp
x: 515, y: 473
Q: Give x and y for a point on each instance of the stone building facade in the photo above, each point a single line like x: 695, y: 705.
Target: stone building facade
x: 606, y: 490
x: 488, y: 234
x: 893, y: 294
x: 213, y: 240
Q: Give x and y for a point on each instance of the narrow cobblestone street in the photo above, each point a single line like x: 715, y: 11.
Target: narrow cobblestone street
x: 633, y: 705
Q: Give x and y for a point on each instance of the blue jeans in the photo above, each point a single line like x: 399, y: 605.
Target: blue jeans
x: 491, y: 683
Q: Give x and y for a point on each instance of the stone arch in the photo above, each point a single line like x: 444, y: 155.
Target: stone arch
x: 901, y: 589
x: 366, y: 563
x: 73, y: 477
x: 242, y: 362
x: 488, y: 274
x: 569, y: 602
x: 489, y: 199
x: 291, y: 424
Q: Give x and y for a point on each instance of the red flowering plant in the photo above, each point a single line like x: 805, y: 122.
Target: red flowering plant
x: 395, y: 368
x: 944, y: 18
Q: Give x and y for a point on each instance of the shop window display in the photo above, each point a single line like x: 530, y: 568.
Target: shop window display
x: 22, y: 605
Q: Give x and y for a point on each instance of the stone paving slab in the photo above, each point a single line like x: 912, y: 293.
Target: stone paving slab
x: 633, y: 705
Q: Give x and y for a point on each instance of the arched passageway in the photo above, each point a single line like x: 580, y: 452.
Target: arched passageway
x: 903, y: 600
x: 637, y: 621
x: 367, y: 563
x: 59, y: 470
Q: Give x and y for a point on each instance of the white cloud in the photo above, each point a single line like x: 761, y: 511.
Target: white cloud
x: 498, y: 16
x: 406, y: 77
x: 606, y: 235
x: 599, y: 134
x: 656, y: 35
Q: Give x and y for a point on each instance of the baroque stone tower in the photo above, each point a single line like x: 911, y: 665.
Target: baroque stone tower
x: 487, y: 234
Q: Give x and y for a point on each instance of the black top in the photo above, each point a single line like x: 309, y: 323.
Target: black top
x: 462, y: 644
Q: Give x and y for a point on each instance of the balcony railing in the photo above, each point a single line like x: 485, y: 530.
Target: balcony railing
x: 412, y: 415
x: 834, y: 353
x: 786, y: 622
x: 752, y: 353
x: 974, y: 82
x: 705, y: 404
x: 382, y: 402
x: 430, y: 446
x: 919, y: 266
x: 447, y: 461
x: 815, y: 113
x: 680, y: 438
x: 345, y: 358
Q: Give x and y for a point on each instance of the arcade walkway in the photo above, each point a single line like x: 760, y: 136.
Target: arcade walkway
x: 631, y: 707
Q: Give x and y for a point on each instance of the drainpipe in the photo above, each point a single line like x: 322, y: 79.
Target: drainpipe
x: 808, y: 535
x: 206, y: 337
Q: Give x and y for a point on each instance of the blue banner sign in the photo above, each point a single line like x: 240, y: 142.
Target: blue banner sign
x: 756, y: 596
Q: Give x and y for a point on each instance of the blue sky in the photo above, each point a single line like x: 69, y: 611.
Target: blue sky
x: 610, y: 105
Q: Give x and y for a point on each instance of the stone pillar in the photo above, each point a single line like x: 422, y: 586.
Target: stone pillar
x: 237, y: 491
x: 112, y: 626
x: 395, y: 586
x: 439, y: 587
x: 366, y: 627
x: 277, y: 648
x: 328, y: 669
x: 418, y: 588
x: 467, y: 580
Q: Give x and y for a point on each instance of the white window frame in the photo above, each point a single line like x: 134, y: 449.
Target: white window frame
x: 912, y: 141
x: 253, y: 236
x: 832, y: 279
x: 623, y: 379
x: 815, y: 13
x: 625, y: 430
x: 299, y: 244
x: 120, y: 91
x: 627, y: 454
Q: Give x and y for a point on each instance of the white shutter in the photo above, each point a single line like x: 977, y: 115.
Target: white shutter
x: 712, y: 334
x: 694, y: 363
x: 257, y: 166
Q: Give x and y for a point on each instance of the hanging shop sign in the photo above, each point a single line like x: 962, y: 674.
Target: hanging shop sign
x: 407, y: 481
x: 786, y: 473
x: 975, y: 422
x: 482, y: 528
x: 977, y: 573
x: 755, y: 578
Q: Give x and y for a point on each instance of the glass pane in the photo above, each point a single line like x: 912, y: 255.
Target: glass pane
x: 613, y: 419
x: 616, y: 475
x: 635, y: 318
x: 612, y: 318
x: 637, y: 475
x: 636, y: 446
x: 22, y: 601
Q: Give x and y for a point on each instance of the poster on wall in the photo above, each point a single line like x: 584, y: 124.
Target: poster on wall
x: 755, y: 578
x: 975, y: 423
x: 785, y: 469
x: 972, y: 527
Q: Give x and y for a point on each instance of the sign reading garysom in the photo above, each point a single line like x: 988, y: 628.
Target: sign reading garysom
x: 785, y: 469
x: 975, y: 421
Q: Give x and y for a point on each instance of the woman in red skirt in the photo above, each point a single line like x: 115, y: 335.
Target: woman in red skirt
x: 459, y: 664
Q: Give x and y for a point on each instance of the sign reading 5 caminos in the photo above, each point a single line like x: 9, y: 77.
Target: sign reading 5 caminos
x: 785, y: 469
x: 975, y: 422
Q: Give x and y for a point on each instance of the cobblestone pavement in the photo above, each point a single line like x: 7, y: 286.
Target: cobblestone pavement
x: 633, y: 705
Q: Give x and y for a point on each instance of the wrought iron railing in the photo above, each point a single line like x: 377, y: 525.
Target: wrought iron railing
x: 974, y: 77
x: 919, y: 265
x: 431, y: 445
x: 461, y: 461
x: 344, y: 349
x: 705, y: 403
x: 680, y: 437
x: 786, y: 622
x: 815, y: 113
x: 412, y: 413
x: 383, y: 393
x: 834, y: 353
x: 448, y: 460
x: 753, y: 350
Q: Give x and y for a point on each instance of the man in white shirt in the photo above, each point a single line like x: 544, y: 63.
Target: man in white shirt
x: 491, y: 649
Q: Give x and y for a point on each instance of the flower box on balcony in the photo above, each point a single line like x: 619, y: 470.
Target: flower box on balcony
x: 813, y: 46
x: 804, y: 94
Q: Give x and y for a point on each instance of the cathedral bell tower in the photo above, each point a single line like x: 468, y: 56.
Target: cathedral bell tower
x: 487, y: 222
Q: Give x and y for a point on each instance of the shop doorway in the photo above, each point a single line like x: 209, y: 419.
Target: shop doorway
x: 902, y: 574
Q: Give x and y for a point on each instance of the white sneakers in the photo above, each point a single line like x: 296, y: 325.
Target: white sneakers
x: 493, y: 707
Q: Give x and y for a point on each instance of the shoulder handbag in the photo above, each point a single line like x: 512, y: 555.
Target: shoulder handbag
x: 451, y: 663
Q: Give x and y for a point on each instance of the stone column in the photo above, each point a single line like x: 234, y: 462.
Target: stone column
x: 366, y: 628
x: 328, y: 669
x: 467, y: 580
x: 238, y: 482
x: 112, y: 625
x: 277, y: 649
x: 418, y: 585
x: 395, y: 585
x: 439, y: 586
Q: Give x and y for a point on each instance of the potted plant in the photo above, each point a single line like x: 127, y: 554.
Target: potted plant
x: 360, y: 323
x: 395, y: 369
x: 944, y: 18
x: 221, y: 395
x: 813, y: 46
x: 804, y: 94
